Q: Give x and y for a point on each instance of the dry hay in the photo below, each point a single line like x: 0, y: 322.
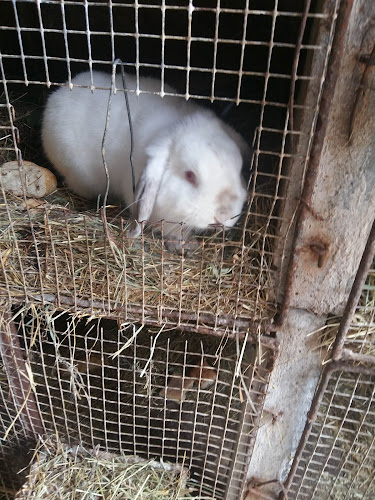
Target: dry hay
x: 59, y: 247
x: 65, y: 473
x: 339, y: 485
x: 360, y: 337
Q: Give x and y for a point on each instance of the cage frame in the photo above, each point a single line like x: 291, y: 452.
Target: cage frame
x: 238, y: 328
x: 26, y: 400
x: 342, y: 359
x: 210, y: 322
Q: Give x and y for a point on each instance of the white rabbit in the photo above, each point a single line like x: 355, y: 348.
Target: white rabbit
x: 187, y: 161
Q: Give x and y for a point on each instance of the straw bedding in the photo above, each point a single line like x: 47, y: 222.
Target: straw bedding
x: 62, y: 472
x: 59, y: 246
x: 361, y: 334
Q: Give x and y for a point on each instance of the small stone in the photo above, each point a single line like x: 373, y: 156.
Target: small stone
x: 39, y: 181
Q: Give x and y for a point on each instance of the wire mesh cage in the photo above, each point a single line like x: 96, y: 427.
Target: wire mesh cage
x: 335, y: 457
x: 338, y: 457
x: 148, y: 393
x: 358, y: 342
x: 360, y: 338
x: 102, y: 343
x: 255, y: 61
x: 12, y: 452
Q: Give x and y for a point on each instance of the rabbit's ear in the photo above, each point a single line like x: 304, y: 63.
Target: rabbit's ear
x: 148, y: 186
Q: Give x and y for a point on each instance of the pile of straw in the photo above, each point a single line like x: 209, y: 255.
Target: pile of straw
x: 64, y: 473
x: 361, y: 334
x: 60, y: 247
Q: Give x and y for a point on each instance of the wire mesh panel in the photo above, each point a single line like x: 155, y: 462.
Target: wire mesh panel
x: 9, y: 482
x: 352, y: 337
x: 335, y: 456
x: 252, y: 60
x: 186, y: 399
x: 361, y: 335
x: 15, y: 437
x: 339, y: 457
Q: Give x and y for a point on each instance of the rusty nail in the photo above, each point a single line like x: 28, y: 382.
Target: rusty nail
x: 369, y: 60
x: 321, y: 250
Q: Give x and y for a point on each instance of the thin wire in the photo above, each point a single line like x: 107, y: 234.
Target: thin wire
x: 125, y: 88
x: 296, y: 61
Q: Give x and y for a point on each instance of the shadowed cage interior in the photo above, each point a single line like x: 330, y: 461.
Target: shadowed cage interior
x: 94, y: 383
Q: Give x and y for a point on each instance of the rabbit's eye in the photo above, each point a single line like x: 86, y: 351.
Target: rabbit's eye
x: 191, y: 177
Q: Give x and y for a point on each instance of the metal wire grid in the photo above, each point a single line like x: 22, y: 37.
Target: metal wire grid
x: 9, y: 482
x: 354, y: 340
x: 339, y: 457
x: 57, y: 260
x: 85, y: 394
x: 336, y: 453
x: 261, y: 82
x: 361, y: 335
x: 207, y: 29
x: 15, y: 424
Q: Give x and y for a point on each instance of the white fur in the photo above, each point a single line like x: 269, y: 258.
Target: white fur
x: 171, y: 135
